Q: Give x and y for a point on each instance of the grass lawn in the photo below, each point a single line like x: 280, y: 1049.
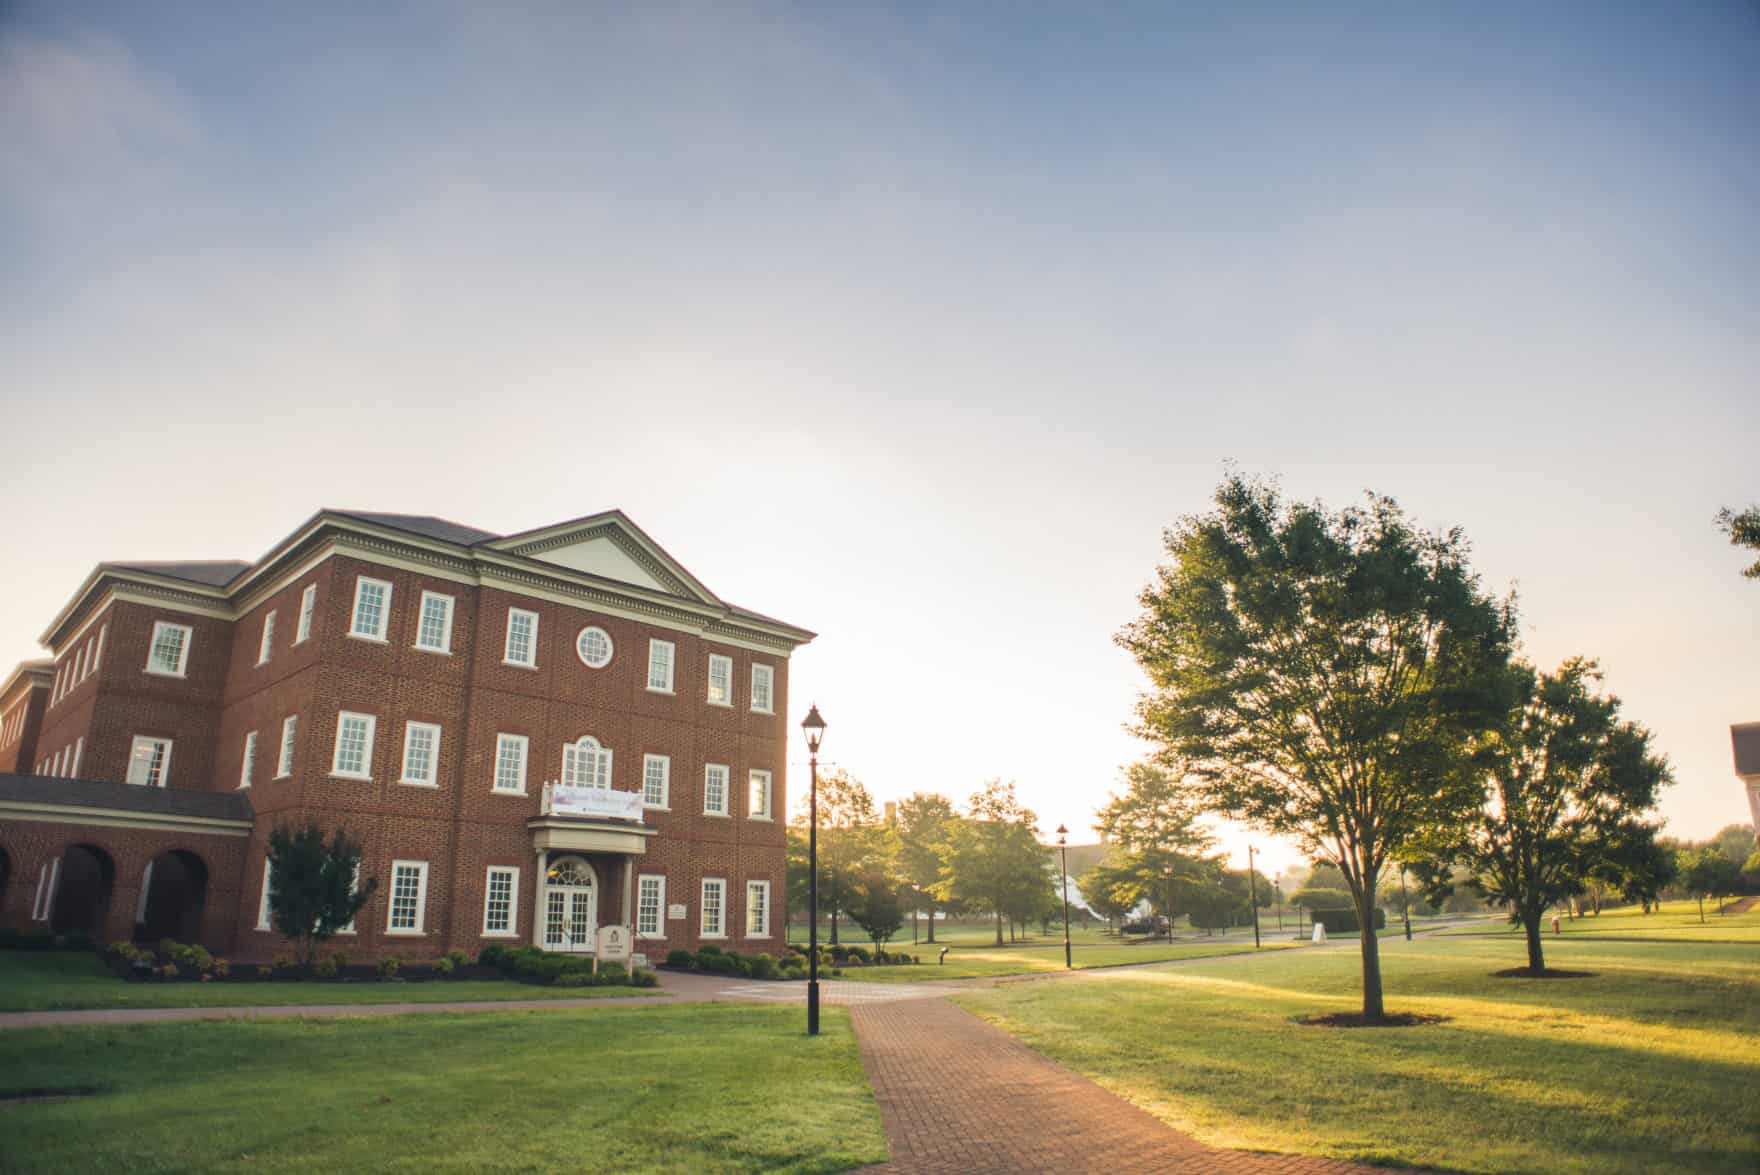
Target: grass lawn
x: 1675, y: 922
x: 1024, y: 959
x: 695, y: 1088
x: 1653, y: 1065
x: 45, y: 981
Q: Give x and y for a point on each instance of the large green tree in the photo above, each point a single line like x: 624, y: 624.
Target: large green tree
x: 1743, y: 529
x: 1322, y: 676
x: 851, y: 840
x: 1157, y: 841
x: 924, y: 823
x: 994, y: 860
x: 1570, y: 788
x: 315, y: 887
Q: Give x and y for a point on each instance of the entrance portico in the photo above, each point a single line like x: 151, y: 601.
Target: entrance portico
x: 574, y: 854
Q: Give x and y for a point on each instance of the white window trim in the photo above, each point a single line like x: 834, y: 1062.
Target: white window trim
x: 507, y: 639
x: 769, y: 692
x: 79, y: 751
x: 768, y: 815
x: 284, y: 756
x: 726, y: 790
x: 353, y: 888
x: 164, y: 768
x: 703, y: 908
x: 671, y: 665
x: 709, y: 682
x: 366, y: 773
x: 266, y: 643
x: 766, y: 884
x: 44, y: 904
x: 525, y: 758
x: 98, y: 652
x: 660, y: 911
x: 354, y: 614
x: 512, y: 930
x: 247, y: 765
x: 444, y: 649
x: 410, y: 728
x: 263, y: 921
x: 308, y: 604
x: 665, y: 804
x: 182, y: 669
x: 421, y: 902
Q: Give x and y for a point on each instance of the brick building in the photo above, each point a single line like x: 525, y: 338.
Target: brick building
x: 531, y: 735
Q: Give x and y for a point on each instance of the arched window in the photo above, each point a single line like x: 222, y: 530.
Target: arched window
x: 586, y: 764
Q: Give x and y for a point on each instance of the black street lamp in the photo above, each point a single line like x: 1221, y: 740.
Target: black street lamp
x: 1404, y: 905
x: 1253, y: 890
x: 1063, y: 852
x: 813, y: 727
x: 1277, y: 888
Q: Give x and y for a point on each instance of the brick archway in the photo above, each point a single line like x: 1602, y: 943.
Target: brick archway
x: 83, y: 891
x: 174, y: 895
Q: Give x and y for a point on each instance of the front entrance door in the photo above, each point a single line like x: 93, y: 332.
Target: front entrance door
x: 571, y: 911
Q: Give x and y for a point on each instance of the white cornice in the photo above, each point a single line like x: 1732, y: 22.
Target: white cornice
x: 121, y: 818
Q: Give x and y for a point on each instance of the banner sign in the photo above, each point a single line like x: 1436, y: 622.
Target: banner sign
x: 596, y: 802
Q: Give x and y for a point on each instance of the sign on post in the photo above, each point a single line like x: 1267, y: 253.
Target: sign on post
x: 612, y: 947
x: 1319, y: 932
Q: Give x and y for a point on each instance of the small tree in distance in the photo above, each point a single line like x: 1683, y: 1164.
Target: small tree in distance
x: 877, y: 908
x: 315, y: 889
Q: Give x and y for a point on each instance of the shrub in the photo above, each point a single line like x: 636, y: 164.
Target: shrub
x: 125, y: 950
x: 836, y: 971
x: 284, y: 960
x: 76, y: 940
x: 763, y: 967
x: 444, y: 965
x: 459, y: 958
x: 36, y: 939
x: 858, y: 955
x: 679, y: 957
x: 578, y: 979
x: 549, y: 969
x: 718, y: 964
x: 196, y: 959
x: 709, y: 950
x: 613, y: 974
x: 168, y: 971
x: 326, y: 968
x: 494, y: 955
x: 1346, y: 921
x: 341, y: 958
x: 388, y: 966
x: 222, y: 968
x: 642, y: 977
x: 265, y: 970
x: 168, y: 947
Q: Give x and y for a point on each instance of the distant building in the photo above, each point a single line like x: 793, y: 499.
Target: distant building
x: 530, y: 734
x: 1744, y: 740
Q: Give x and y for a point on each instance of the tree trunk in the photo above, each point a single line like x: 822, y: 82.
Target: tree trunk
x: 931, y: 937
x: 1701, y: 908
x: 1536, y: 952
x: 1372, y: 1005
x: 999, y: 927
x: 834, y: 925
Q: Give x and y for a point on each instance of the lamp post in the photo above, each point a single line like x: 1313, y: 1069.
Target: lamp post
x: 813, y: 727
x: 1063, y: 854
x: 1253, y: 891
x: 1277, y: 889
x: 1169, y: 869
x: 1404, y: 905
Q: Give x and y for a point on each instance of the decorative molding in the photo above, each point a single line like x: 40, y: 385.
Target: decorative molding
x: 121, y: 818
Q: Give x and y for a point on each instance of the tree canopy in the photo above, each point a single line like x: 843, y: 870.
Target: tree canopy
x: 1743, y: 530
x: 924, y: 824
x: 994, y: 861
x: 1322, y: 676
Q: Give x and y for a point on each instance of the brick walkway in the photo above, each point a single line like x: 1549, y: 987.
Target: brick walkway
x: 958, y: 1097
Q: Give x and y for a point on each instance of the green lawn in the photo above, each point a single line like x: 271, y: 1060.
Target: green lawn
x: 1675, y: 922
x: 1026, y: 959
x: 41, y: 981
x: 695, y: 1088
x: 1654, y: 1065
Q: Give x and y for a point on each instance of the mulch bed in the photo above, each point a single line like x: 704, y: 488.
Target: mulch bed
x: 1358, y: 1020
x: 1543, y: 973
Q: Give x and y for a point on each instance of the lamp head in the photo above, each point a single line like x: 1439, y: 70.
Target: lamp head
x: 813, y: 727
x: 1062, y: 833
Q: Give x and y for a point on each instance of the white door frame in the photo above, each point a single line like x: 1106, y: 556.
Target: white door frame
x: 541, y: 911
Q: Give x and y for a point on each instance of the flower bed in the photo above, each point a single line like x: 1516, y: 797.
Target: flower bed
x: 832, y: 959
x: 175, y: 962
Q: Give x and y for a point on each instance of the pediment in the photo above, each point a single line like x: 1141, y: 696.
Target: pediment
x: 611, y: 547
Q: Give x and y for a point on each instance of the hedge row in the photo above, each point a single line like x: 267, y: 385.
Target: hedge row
x: 538, y: 966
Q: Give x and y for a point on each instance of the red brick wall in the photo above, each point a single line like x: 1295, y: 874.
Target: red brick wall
x: 19, y: 756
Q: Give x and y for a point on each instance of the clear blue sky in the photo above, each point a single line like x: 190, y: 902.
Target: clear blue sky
x: 910, y: 324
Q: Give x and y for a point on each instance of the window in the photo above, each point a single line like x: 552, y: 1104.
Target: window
x: 434, y: 632
x: 79, y: 751
x: 758, y: 797
x: 650, y: 906
x: 267, y: 644
x: 169, y: 653
x: 263, y: 904
x: 522, y: 638
x: 720, y: 680
x: 757, y: 909
x: 55, y: 763
x: 660, y: 666
x: 593, y: 646
x: 372, y: 605
x: 501, y: 901
x: 250, y: 760
x: 714, y: 903
x: 354, y: 887
x: 149, y: 761
x: 284, y: 762
x: 79, y: 665
x: 44, y: 901
x: 308, y: 600
x: 354, y: 745
x: 98, y: 652
x: 656, y: 781
x: 763, y: 681
x: 421, y: 747
x: 586, y: 764
x: 409, y: 897
x: 510, y: 764
x: 715, y: 789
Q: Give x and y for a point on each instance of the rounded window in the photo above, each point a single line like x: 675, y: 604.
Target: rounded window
x: 594, y: 647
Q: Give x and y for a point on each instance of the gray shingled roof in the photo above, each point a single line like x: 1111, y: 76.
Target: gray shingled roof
x: 212, y: 572
x: 425, y: 525
x: 1745, y: 741
x: 87, y: 793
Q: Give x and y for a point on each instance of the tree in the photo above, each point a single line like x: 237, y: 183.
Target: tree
x: 1743, y: 530
x: 315, y: 889
x: 1706, y: 872
x: 1112, y: 888
x: 1322, y: 676
x: 1569, y: 786
x: 994, y: 860
x: 876, y: 907
x: 1157, y: 841
x: 924, y: 823
x: 849, y: 836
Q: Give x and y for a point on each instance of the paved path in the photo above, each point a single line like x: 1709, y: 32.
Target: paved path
x: 959, y: 1097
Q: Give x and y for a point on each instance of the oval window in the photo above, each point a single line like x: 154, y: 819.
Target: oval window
x: 594, y: 647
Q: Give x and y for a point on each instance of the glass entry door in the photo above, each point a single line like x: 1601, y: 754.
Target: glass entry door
x: 570, y: 915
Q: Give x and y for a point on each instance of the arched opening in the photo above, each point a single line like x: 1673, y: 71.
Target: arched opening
x: 82, y: 896
x: 174, y: 892
x: 571, y: 905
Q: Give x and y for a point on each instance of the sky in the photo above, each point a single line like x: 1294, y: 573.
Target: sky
x: 911, y: 324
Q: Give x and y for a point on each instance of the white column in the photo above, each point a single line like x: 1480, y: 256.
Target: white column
x: 541, y: 907
x: 629, y: 873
